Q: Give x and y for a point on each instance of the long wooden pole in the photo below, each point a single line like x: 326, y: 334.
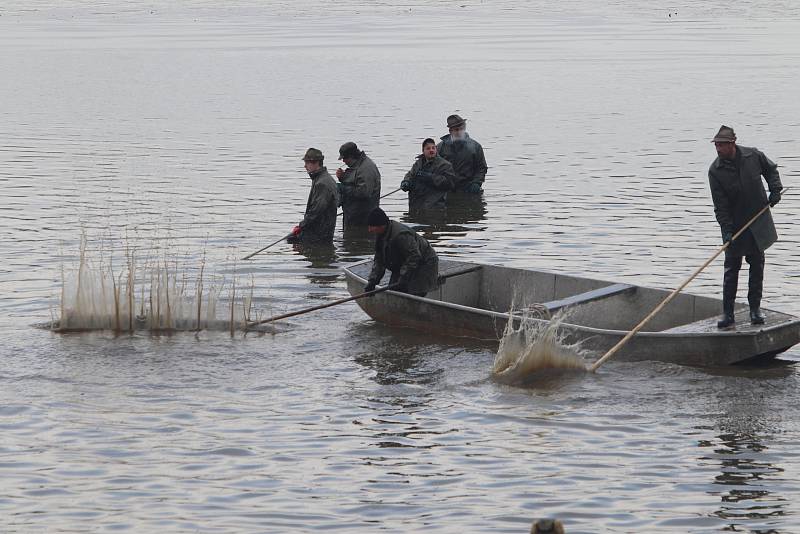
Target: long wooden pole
x: 287, y: 236
x: 322, y: 306
x: 361, y: 295
x: 613, y: 350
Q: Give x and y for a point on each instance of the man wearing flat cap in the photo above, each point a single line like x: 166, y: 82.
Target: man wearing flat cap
x: 319, y: 221
x: 360, y: 185
x: 465, y: 154
x: 738, y: 194
x: 410, y: 258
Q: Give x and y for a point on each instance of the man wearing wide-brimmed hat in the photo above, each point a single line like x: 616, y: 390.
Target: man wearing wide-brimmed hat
x: 465, y: 154
x: 360, y: 185
x: 738, y: 194
x: 319, y: 221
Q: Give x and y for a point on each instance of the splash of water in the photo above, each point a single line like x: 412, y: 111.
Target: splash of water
x: 534, y: 346
x: 158, y: 294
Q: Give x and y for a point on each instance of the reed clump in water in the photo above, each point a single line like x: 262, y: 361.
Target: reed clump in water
x: 157, y: 294
x: 535, y: 345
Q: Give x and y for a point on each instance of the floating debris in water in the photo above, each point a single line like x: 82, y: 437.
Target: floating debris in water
x: 161, y: 293
x: 534, y: 346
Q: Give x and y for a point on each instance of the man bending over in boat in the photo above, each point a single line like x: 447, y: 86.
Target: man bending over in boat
x: 410, y: 258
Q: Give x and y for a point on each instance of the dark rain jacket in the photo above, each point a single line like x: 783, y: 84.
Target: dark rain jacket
x: 320, y: 218
x: 430, y: 182
x: 408, y: 256
x: 467, y: 158
x: 738, y: 195
x: 360, y: 191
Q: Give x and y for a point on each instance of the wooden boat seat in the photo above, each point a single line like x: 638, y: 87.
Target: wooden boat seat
x: 589, y: 296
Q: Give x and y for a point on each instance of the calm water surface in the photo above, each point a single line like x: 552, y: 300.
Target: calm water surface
x: 180, y: 129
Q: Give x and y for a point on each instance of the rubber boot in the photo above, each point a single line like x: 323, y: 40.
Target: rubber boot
x: 727, y: 320
x: 730, y: 282
x: 756, y: 316
x: 755, y: 287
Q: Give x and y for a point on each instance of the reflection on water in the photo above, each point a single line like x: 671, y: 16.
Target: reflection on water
x: 321, y: 258
x: 357, y: 243
x: 463, y: 215
x: 397, y: 359
x: 750, y: 474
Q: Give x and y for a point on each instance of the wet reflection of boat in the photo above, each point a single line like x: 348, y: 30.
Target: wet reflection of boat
x: 600, y: 313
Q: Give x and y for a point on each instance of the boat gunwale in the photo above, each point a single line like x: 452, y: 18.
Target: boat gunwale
x: 590, y: 329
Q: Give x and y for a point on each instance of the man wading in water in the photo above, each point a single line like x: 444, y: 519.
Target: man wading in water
x: 410, y: 258
x: 466, y: 155
x: 360, y: 187
x: 319, y: 221
x: 738, y: 194
x: 429, y: 179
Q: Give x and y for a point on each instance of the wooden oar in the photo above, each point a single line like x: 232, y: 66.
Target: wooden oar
x: 375, y: 291
x: 328, y: 305
x: 613, y: 350
x: 287, y: 236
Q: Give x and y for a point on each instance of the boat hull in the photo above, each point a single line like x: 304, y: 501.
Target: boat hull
x: 694, y: 343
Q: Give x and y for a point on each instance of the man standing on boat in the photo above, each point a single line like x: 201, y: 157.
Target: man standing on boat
x: 319, y: 221
x: 738, y: 194
x: 410, y: 258
x: 466, y: 155
x: 429, y: 179
x: 360, y: 185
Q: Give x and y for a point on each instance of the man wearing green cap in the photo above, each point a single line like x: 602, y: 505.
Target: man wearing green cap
x: 409, y: 256
x: 466, y: 155
x: 738, y: 194
x: 319, y: 221
x: 360, y: 185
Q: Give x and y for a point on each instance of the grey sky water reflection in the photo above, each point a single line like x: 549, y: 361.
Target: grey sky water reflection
x: 179, y: 128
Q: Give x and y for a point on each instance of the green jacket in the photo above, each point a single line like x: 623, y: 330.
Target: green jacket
x: 319, y: 222
x: 408, y: 256
x: 738, y: 194
x: 360, y: 190
x: 430, y: 182
x: 467, y: 158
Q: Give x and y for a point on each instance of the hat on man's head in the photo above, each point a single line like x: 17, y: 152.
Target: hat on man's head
x: 313, y: 154
x: 724, y: 135
x: 377, y: 217
x: 454, y: 121
x: 349, y: 150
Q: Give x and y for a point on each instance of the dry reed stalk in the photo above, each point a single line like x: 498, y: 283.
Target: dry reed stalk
x: 233, y: 300
x: 158, y: 299
x: 166, y: 293
x: 199, y: 293
x: 62, y: 321
x: 130, y: 288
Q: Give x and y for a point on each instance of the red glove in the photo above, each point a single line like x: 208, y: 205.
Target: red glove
x: 296, y: 230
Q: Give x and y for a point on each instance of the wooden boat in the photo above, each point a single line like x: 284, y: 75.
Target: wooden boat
x: 474, y: 301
